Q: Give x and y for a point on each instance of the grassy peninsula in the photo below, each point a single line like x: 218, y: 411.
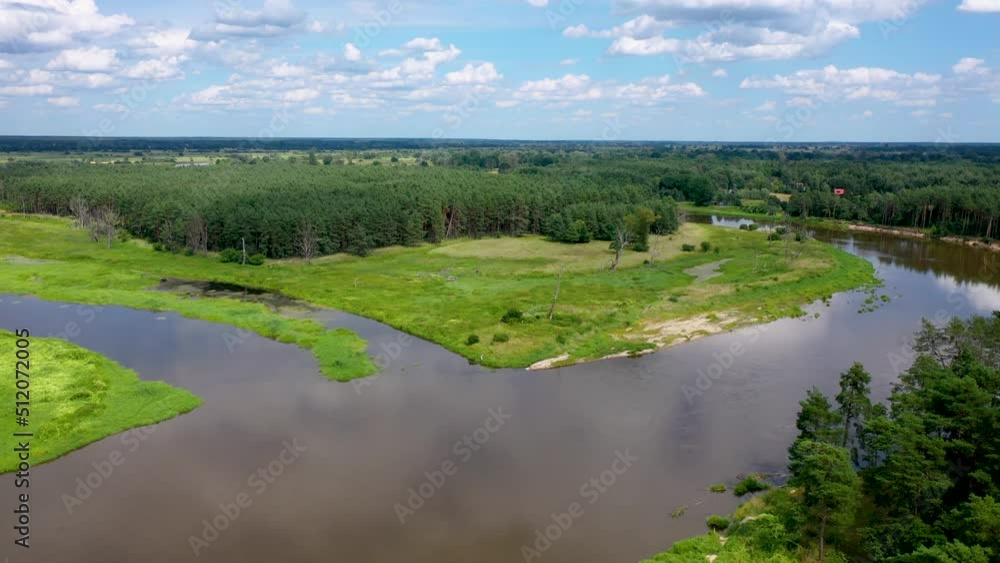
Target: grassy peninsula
x: 78, y: 397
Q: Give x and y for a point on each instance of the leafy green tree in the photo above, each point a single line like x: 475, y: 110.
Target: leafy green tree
x: 817, y: 421
x: 853, y: 402
x: 638, y: 224
x: 831, y: 488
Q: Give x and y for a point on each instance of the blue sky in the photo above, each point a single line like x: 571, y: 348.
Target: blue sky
x: 703, y: 70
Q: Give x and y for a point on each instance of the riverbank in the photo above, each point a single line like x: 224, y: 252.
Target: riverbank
x: 487, y: 299
x: 75, y: 397
x: 837, y: 225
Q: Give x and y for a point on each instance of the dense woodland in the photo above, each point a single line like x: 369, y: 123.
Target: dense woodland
x: 915, y: 480
x: 335, y: 199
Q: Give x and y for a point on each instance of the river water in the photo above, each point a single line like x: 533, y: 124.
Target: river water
x: 675, y: 421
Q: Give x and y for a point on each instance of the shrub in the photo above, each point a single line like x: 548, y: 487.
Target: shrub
x: 717, y: 250
x: 255, y: 260
x: 798, y: 237
x: 500, y: 337
x: 773, y: 236
x: 751, y: 484
x: 717, y: 522
x: 230, y: 255
x: 189, y: 251
x: 158, y: 247
x: 781, y: 230
x: 753, y: 227
x: 472, y: 339
x: 512, y: 316
x: 718, y: 488
x: 561, y: 339
x: 687, y: 247
x: 744, y: 228
x: 706, y: 246
x: 673, y: 299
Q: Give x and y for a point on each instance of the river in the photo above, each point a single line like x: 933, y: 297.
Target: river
x: 657, y: 429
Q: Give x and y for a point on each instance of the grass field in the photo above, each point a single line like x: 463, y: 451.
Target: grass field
x: 78, y: 397
x: 450, y: 292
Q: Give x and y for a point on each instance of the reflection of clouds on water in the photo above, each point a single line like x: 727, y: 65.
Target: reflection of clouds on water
x: 981, y: 296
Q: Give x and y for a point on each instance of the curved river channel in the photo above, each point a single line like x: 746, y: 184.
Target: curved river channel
x: 498, y: 453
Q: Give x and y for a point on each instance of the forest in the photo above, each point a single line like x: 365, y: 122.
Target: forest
x: 326, y: 201
x: 915, y: 480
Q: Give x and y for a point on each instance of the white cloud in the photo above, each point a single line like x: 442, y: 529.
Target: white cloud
x: 37, y: 90
x: 156, y: 69
x: 4, y: 65
x: 970, y: 65
x: 301, y: 95
x: 472, y: 74
x: 568, y: 62
x: 85, y: 59
x: 64, y: 101
x: 41, y: 25
x: 641, y: 27
x: 538, y: 3
x: 832, y: 84
x: 720, y: 73
x: 111, y: 108
x: 164, y: 43
x: 276, y: 17
x: 423, y: 44
x: 352, y: 53
x: 980, y: 5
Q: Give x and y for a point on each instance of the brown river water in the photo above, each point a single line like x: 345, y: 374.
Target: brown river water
x: 598, y: 455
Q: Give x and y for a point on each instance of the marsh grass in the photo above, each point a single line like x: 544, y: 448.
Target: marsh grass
x: 444, y: 293
x: 78, y: 397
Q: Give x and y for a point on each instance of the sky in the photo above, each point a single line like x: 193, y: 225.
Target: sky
x: 681, y: 70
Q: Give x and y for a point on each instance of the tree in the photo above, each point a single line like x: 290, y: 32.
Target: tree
x: 831, y: 488
x: 622, y: 238
x: 196, y: 233
x: 853, y: 402
x: 638, y: 224
x: 105, y: 224
x: 308, y: 242
x: 817, y: 421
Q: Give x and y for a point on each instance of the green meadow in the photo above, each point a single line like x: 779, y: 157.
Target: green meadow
x: 487, y: 299
x: 78, y: 397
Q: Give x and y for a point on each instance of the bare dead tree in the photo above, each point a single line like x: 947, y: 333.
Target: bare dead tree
x: 308, y: 241
x: 81, y: 212
x: 621, y: 241
x: 244, y: 241
x: 196, y: 234
x: 105, y: 224
x: 552, y: 309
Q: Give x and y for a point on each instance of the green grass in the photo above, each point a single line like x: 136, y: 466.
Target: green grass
x: 718, y: 488
x: 751, y: 484
x: 445, y: 293
x: 343, y: 356
x: 78, y: 397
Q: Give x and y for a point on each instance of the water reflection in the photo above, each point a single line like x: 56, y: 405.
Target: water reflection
x: 369, y: 443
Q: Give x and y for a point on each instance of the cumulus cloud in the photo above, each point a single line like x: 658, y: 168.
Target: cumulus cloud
x: 36, y: 90
x: 832, y: 84
x: 980, y: 6
x: 276, y: 17
x: 970, y: 65
x: 85, y: 59
x: 156, y: 69
x: 64, y: 101
x: 473, y: 74
x: 43, y: 25
x: 743, y: 29
x: 352, y: 53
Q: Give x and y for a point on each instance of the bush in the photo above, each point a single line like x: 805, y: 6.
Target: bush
x: 673, y: 299
x: 781, y: 230
x: 773, y: 236
x: 472, y: 339
x: 717, y: 522
x: 255, y: 260
x: 230, y: 255
x: 798, y: 237
x: 561, y: 339
x: 512, y: 316
x: 744, y: 228
x: 706, y: 246
x: 501, y: 337
x: 158, y: 247
x: 753, y: 227
x: 717, y: 250
x: 751, y: 484
x: 718, y: 488
x: 189, y: 251
x: 687, y: 247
